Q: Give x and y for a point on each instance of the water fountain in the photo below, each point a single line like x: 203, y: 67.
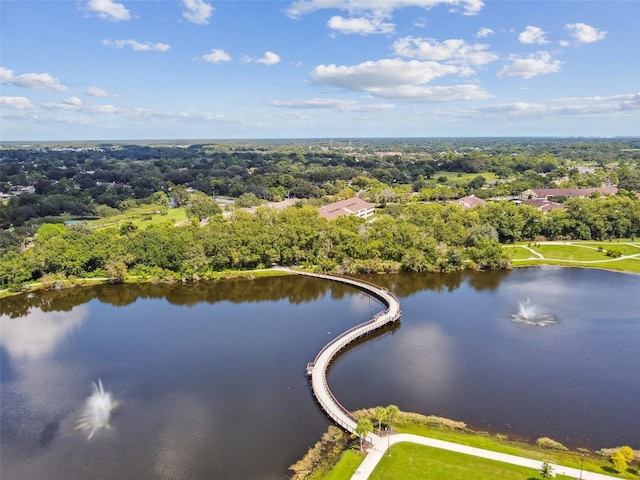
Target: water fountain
x: 527, y: 313
x: 97, y: 410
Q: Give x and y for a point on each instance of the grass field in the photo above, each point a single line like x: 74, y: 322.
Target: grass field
x: 349, y: 463
x: 570, y: 252
x: 409, y: 461
x: 417, y: 462
x: 141, y: 217
x: 587, y: 254
x: 462, y: 177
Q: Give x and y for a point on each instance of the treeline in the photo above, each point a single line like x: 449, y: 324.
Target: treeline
x: 421, y: 238
x: 415, y: 238
x: 80, y: 182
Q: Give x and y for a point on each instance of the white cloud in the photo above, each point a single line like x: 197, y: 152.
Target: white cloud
x: 269, y: 58
x: 101, y: 109
x: 533, y: 35
x: 396, y: 79
x: 584, y: 33
x: 197, y: 11
x: 539, y: 63
x: 16, y: 103
x: 587, y: 107
x: 108, y: 10
x: 216, y: 55
x: 484, y: 32
x: 75, y: 101
x: 75, y: 104
x: 360, y: 25
x: 381, y: 7
x: 452, y: 50
x: 417, y: 93
x: 137, y: 46
x: 96, y: 92
x: 330, y: 103
x: 380, y: 74
x: 420, y: 22
x: 31, y: 80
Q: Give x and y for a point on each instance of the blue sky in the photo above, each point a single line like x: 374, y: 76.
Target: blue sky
x: 200, y: 69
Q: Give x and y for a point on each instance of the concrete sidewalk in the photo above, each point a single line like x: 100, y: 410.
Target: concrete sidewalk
x: 379, y: 448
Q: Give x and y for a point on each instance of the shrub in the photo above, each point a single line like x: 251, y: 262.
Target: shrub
x: 546, y: 442
x: 322, y: 456
x: 619, y: 461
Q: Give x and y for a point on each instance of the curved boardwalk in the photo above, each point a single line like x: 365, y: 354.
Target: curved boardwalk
x: 317, y: 369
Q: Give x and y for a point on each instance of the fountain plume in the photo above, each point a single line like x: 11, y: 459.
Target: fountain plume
x: 527, y: 313
x: 97, y: 410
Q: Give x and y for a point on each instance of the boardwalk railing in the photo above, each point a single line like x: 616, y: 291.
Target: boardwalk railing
x: 318, y: 369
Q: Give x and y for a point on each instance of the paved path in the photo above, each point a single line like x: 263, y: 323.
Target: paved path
x: 380, y: 448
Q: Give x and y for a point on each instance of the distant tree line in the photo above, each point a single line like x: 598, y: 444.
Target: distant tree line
x: 414, y: 237
x: 78, y: 182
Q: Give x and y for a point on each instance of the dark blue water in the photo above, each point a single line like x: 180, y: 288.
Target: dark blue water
x: 210, y: 376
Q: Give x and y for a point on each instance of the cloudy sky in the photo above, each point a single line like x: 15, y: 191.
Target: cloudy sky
x: 206, y: 69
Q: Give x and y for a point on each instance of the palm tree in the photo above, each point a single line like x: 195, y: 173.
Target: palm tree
x: 392, y: 412
x: 380, y: 414
x: 363, y: 428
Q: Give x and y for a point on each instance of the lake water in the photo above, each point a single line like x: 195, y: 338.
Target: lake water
x: 211, y: 376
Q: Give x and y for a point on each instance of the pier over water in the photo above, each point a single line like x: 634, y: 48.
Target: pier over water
x: 317, y: 370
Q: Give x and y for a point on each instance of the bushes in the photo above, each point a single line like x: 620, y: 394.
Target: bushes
x: 546, y: 442
x: 322, y: 456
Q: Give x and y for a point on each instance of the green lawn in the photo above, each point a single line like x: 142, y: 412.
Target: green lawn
x: 347, y: 466
x: 570, y: 252
x: 409, y: 461
x: 622, y: 248
x: 463, y: 177
x: 519, y: 253
x: 626, y: 265
x: 141, y: 217
x: 578, y: 254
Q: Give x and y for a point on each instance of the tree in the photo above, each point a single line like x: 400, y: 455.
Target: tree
x: 380, y: 415
x: 363, y: 428
x: 627, y: 453
x: 180, y: 195
x: 392, y: 412
x: 621, y: 458
x: 619, y: 461
x: 546, y: 471
x: 117, y: 270
x: 202, y: 206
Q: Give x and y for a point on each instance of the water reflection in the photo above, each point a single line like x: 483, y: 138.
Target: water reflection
x: 202, y: 386
x: 38, y: 333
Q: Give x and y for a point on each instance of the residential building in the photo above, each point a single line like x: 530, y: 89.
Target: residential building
x: 470, y: 201
x: 351, y: 206
x: 546, y: 193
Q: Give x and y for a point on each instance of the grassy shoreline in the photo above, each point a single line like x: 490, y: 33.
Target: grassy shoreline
x: 598, y: 255
x: 409, y: 461
x: 63, y: 283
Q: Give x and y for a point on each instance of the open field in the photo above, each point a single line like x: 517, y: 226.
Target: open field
x: 619, y: 256
x: 410, y: 461
x: 463, y: 177
x: 349, y: 463
x: 142, y: 217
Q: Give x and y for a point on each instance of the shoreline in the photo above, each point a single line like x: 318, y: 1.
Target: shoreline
x: 61, y: 284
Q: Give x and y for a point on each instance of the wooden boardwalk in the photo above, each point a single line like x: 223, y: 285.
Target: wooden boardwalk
x: 318, y: 369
